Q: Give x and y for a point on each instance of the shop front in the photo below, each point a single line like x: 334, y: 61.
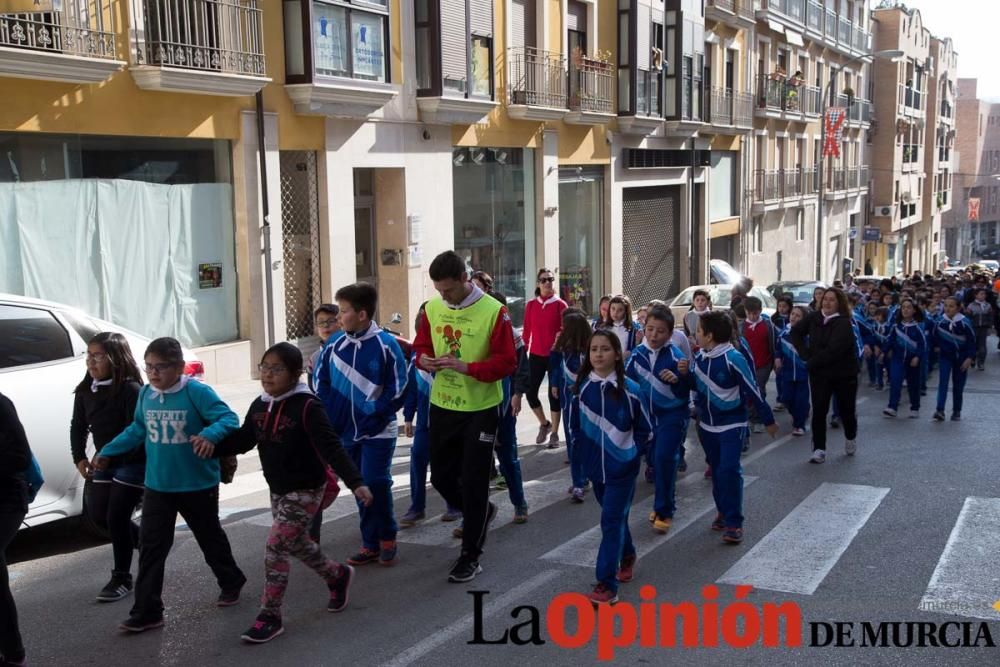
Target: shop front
x: 494, y: 204
x: 581, y: 236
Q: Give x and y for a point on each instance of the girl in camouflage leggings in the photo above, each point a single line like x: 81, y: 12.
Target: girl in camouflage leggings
x: 295, y: 442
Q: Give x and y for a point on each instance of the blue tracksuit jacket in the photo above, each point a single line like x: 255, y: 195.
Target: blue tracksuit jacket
x: 725, y: 382
x: 662, y: 400
x: 610, y: 431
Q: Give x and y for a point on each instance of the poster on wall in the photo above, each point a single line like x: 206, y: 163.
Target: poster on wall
x: 210, y: 275
x: 329, y: 35
x: 367, y: 29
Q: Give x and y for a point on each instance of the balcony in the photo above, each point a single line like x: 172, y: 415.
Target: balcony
x: 730, y: 110
x: 591, y: 91
x: 842, y: 181
x: 74, y: 45
x: 537, y: 84
x: 784, y: 185
x: 947, y: 113
x: 839, y: 32
x: 859, y: 111
x: 911, y: 101
x: 736, y: 13
x: 911, y: 157
x: 778, y: 97
x: 209, y: 47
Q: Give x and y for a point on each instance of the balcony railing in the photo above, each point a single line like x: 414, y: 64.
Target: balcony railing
x: 781, y: 95
x: 538, y: 78
x: 725, y: 5
x: 843, y: 178
x: 767, y: 184
x: 839, y: 31
x: 911, y: 153
x: 591, y: 85
x: 946, y: 109
x: 859, y: 111
x: 208, y: 35
x: 774, y: 184
x: 911, y: 98
x: 85, y: 29
x: 743, y: 110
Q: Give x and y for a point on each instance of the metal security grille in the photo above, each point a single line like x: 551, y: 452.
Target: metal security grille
x: 300, y: 241
x: 651, y: 243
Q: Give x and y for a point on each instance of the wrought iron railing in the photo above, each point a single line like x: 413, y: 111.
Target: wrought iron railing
x: 910, y: 97
x: 743, y: 109
x: 537, y: 78
x: 772, y: 184
x: 85, y: 29
x: 767, y: 184
x: 211, y: 35
x: 781, y: 94
x: 591, y: 85
x: 720, y: 106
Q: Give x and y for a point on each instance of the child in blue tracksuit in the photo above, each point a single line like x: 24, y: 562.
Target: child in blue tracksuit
x: 506, y: 447
x: 662, y: 373
x: 361, y: 379
x: 955, y: 341
x: 907, y: 351
x: 725, y: 383
x: 869, y: 337
x: 565, y: 361
x: 793, y: 377
x: 881, y: 335
x: 859, y: 349
x: 611, y: 432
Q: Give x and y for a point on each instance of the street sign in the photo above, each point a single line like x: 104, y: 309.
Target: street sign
x: 872, y: 234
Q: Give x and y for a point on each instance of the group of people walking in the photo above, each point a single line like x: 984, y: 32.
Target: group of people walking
x: 624, y: 387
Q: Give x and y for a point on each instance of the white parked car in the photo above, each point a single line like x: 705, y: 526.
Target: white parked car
x: 43, y: 347
x: 721, y: 295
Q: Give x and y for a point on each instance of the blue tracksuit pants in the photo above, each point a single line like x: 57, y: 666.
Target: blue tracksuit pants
x: 615, y: 497
x: 577, y: 470
x: 900, y: 370
x: 723, y: 453
x: 374, y: 459
x: 510, y: 465
x: 797, y: 400
x: 950, y: 370
x: 669, y: 439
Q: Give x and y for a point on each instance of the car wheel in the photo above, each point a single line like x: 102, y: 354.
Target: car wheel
x: 89, y: 524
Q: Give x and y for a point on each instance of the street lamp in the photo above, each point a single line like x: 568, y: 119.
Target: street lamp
x: 893, y: 55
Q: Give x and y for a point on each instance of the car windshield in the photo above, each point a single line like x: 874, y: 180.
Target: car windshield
x: 720, y: 295
x: 801, y: 293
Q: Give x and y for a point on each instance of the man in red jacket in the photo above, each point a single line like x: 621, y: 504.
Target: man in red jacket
x: 466, y: 340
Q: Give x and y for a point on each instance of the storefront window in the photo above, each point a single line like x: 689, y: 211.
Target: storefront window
x: 581, y: 233
x: 141, y: 230
x: 494, y: 219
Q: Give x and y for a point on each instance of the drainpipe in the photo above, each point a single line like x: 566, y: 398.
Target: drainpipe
x: 266, y: 227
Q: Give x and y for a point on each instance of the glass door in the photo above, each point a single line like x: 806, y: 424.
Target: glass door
x: 581, y: 230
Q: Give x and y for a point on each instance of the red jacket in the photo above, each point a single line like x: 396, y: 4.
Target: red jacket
x: 501, y: 361
x: 760, y: 338
x: 542, y: 322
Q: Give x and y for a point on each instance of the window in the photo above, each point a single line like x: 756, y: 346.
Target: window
x: 482, y: 66
x: 454, y: 47
x: 349, y: 42
x: 723, y: 195
x: 423, y: 43
x: 757, y: 235
x: 31, y: 336
x: 800, y: 224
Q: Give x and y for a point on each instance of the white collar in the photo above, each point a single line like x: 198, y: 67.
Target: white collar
x: 717, y: 351
x: 475, y: 295
x: 156, y: 393
x: 94, y: 384
x: 356, y: 339
x: 827, y: 318
x: 545, y: 302
x: 611, y: 379
x: 753, y: 323
x: 958, y: 318
x: 300, y: 388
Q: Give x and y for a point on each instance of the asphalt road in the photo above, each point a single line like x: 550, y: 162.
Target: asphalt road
x: 912, y: 520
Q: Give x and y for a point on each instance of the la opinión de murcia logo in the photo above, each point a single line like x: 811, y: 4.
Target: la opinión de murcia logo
x: 571, y: 621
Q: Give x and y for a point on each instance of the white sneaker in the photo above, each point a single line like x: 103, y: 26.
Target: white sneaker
x: 850, y: 446
x: 889, y: 412
x: 779, y: 407
x: 819, y: 456
x: 757, y: 428
x: 799, y: 432
x: 914, y: 414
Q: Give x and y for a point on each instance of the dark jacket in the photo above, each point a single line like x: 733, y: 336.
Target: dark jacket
x: 104, y: 414
x: 288, y: 431
x: 15, y: 455
x: 830, y: 349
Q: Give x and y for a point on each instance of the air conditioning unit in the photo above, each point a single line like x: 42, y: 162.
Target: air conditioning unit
x: 885, y: 211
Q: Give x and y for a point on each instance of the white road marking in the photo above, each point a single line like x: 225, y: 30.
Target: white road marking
x: 966, y: 581
x: 691, y: 506
x: 801, y: 550
x: 495, y: 606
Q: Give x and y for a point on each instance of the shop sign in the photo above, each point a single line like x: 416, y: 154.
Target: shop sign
x: 210, y: 275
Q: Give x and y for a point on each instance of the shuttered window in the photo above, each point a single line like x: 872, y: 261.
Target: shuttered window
x: 642, y: 30
x: 481, y: 17
x: 522, y: 19
x: 454, y: 45
x: 576, y: 16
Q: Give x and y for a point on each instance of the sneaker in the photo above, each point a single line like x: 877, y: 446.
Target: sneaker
x: 732, y: 535
x: 914, y: 413
x: 451, y: 515
x: 465, y: 569
x: 649, y: 475
x: 543, y: 433
x: 339, y: 590
x: 264, y: 629
x: 626, y: 571
x: 718, y: 525
x: 553, y: 441
x: 119, y: 587
x: 757, y: 428
x: 388, y: 552
x: 139, y: 624
x: 708, y: 472
x: 364, y: 557
x: 799, y: 432
x: 682, y: 466
x: 602, y: 595
x: 23, y: 662
x: 230, y: 597
x: 889, y: 412
x: 850, y: 447
x: 521, y: 514
x: 586, y: 485
x: 835, y: 422
x: 411, y: 518
x: 938, y: 415
x: 662, y: 525
x: 578, y: 495
x: 501, y: 483
x: 458, y: 531
x: 956, y: 416
x: 819, y: 456
x: 779, y: 407
x: 652, y: 517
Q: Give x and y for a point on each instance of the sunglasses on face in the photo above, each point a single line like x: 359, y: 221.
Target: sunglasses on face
x: 547, y: 280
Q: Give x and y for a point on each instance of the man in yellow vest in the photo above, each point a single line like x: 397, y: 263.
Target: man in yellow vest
x: 466, y: 340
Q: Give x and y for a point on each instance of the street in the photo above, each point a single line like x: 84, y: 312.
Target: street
x: 911, y: 522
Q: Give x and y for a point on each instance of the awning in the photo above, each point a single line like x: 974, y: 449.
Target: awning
x: 794, y: 38
x: 775, y: 26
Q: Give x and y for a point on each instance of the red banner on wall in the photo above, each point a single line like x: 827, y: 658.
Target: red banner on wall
x: 835, y: 117
x: 973, y: 209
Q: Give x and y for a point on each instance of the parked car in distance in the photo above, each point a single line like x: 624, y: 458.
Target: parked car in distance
x: 722, y: 273
x: 801, y: 291
x: 991, y: 264
x: 721, y: 295
x: 43, y: 348
x: 990, y: 252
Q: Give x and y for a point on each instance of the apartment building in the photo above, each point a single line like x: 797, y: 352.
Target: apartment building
x: 805, y: 215
x: 976, y: 177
